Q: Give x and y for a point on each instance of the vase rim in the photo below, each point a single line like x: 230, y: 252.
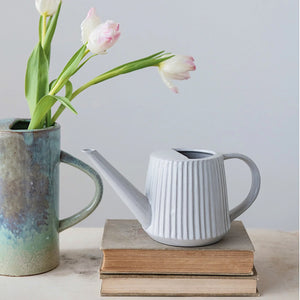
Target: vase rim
x: 12, y: 122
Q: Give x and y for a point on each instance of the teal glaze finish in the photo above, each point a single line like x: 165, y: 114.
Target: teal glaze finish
x: 29, y: 198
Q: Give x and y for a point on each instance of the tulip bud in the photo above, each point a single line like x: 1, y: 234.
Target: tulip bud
x: 177, y: 68
x: 89, y: 24
x: 103, y: 37
x: 48, y: 7
x: 98, y: 36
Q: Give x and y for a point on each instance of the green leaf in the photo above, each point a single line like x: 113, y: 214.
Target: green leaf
x: 36, y: 78
x: 51, y: 26
x: 49, y: 22
x: 40, y: 28
x: 69, y: 69
x: 44, y: 106
x: 81, y: 65
x: 73, y: 63
x: 51, y: 84
x: 149, y: 61
x: 69, y: 89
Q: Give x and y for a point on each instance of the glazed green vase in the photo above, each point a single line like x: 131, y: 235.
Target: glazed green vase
x: 29, y: 197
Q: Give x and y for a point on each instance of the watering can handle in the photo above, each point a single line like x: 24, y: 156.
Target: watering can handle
x: 76, y: 218
x: 255, y: 186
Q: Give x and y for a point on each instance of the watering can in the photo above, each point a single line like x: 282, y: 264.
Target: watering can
x: 185, y: 203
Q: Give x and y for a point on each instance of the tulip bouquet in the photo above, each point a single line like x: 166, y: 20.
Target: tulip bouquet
x: 97, y: 38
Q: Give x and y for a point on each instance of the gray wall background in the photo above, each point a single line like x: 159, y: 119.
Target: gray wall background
x: 242, y: 98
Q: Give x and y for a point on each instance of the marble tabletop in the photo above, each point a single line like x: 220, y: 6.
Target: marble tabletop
x: 77, y: 277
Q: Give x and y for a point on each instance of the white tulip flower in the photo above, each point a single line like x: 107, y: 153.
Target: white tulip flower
x: 47, y: 7
x: 177, y: 68
x: 98, y: 36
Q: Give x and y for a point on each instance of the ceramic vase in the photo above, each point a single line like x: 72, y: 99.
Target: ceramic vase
x: 29, y: 197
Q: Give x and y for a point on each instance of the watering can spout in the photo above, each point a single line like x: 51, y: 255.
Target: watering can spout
x: 133, y: 198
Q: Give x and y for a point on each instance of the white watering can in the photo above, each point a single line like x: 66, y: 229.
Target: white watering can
x: 186, y: 195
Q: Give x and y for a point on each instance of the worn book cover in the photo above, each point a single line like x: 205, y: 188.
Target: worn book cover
x: 178, y: 285
x: 128, y: 249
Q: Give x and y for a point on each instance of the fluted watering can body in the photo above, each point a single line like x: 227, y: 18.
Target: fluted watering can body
x: 186, y: 195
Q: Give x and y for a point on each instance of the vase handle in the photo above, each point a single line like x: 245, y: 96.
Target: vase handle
x: 78, y: 217
x: 255, y: 186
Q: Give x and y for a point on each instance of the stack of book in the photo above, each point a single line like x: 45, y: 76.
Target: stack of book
x: 135, y: 265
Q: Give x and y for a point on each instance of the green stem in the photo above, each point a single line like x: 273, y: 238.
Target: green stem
x: 101, y: 78
x: 44, y: 30
x: 56, y: 88
x: 59, y: 84
x: 150, y: 61
x: 81, y: 89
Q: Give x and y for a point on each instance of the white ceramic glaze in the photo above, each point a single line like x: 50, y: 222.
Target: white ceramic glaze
x: 186, y: 196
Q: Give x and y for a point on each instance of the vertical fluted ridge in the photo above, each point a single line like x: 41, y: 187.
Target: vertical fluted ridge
x: 188, y: 199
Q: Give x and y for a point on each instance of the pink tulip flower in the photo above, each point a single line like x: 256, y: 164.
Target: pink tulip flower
x: 177, y: 68
x: 48, y: 7
x: 98, y: 36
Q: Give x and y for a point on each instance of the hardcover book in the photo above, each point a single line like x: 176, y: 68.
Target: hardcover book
x: 127, y: 249
x: 178, y: 285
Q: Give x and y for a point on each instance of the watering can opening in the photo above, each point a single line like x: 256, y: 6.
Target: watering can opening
x: 195, y: 154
